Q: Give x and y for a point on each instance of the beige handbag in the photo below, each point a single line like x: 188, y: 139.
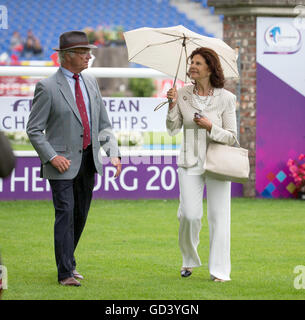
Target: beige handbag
x: 227, y: 163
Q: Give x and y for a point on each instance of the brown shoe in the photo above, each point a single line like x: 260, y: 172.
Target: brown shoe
x: 77, y: 275
x: 69, y: 282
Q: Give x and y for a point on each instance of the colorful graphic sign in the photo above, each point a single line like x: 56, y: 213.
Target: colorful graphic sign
x: 282, y: 38
x: 280, y: 104
x: 18, y: 86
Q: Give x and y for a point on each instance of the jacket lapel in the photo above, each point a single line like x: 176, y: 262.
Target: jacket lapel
x: 188, y: 96
x: 67, y: 93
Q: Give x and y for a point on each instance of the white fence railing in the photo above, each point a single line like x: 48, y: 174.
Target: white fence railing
x: 97, y: 72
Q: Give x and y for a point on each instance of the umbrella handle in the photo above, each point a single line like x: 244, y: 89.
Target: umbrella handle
x: 160, y: 105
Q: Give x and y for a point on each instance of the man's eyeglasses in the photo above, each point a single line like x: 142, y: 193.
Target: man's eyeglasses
x: 82, y: 53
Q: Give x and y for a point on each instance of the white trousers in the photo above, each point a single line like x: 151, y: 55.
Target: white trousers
x: 219, y: 215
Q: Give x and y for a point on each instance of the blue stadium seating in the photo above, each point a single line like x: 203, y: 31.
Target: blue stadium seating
x: 49, y: 18
x: 204, y: 3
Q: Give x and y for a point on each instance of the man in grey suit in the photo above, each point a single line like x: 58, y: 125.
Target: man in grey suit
x: 67, y: 126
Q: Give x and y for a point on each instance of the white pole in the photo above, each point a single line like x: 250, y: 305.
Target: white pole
x: 97, y: 72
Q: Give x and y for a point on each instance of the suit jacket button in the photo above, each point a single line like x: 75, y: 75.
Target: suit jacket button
x: 80, y: 151
x: 81, y: 135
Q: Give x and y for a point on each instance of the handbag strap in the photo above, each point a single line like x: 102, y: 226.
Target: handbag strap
x: 237, y: 142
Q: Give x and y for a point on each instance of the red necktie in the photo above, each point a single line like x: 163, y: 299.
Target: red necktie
x: 82, y: 110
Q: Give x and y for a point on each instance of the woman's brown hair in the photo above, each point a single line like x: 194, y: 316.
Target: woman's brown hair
x: 211, y: 58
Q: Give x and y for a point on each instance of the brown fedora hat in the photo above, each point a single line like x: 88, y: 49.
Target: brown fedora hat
x: 74, y: 39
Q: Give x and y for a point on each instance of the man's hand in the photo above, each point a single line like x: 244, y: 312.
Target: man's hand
x: 62, y: 164
x: 117, y: 163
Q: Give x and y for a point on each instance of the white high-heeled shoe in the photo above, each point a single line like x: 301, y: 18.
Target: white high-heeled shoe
x: 217, y: 279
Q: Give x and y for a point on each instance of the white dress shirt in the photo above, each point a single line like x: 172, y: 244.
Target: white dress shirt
x: 197, y: 169
x: 69, y: 76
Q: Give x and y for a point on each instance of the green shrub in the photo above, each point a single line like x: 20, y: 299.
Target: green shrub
x: 141, y: 87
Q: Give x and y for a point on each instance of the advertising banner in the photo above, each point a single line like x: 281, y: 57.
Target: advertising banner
x: 280, y: 104
x: 125, y: 114
x: 18, y: 86
x: 142, y: 177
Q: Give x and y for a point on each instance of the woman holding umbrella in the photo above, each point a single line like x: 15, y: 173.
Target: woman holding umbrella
x: 206, y: 111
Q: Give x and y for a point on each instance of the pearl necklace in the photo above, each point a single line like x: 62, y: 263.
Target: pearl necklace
x: 210, y: 92
x: 205, y: 100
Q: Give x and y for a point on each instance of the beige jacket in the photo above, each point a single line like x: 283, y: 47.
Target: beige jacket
x: 220, y: 111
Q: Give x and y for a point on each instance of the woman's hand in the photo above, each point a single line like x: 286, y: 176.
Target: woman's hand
x: 173, y: 95
x: 204, y: 123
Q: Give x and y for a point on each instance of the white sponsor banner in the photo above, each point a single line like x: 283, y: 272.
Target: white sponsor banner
x: 128, y: 114
x: 280, y: 49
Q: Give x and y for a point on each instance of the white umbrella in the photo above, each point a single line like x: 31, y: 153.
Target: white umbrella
x: 167, y: 50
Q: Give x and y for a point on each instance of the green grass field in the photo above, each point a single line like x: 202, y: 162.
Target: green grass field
x: 129, y: 250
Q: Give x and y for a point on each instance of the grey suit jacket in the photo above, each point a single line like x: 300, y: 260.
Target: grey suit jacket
x: 55, y: 126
